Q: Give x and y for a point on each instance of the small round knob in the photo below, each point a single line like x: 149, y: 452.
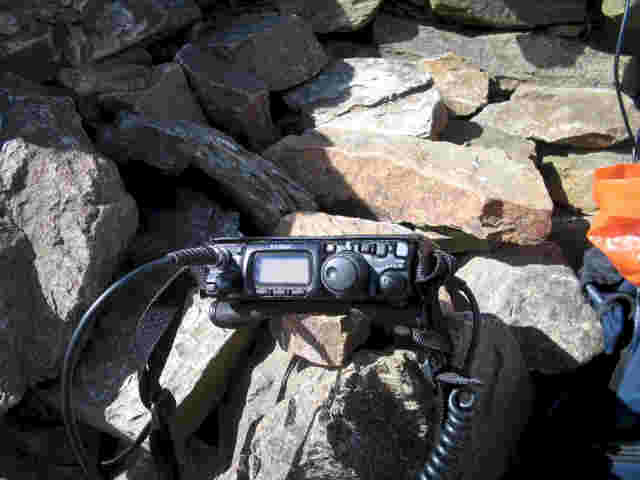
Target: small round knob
x: 392, y: 284
x: 345, y: 273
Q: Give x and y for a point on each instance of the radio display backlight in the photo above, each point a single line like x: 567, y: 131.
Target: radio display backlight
x: 282, y: 268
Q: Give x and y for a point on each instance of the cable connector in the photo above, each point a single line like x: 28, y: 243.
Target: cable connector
x: 203, y: 255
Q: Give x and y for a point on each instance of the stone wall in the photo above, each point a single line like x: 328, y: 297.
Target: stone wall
x: 131, y: 128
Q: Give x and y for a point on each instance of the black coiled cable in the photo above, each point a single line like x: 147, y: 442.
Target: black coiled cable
x: 445, y: 459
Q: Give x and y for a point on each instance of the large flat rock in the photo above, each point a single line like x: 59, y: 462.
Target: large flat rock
x: 470, y: 133
x: 383, y: 95
x: 531, y: 56
x: 399, y: 178
x: 581, y: 117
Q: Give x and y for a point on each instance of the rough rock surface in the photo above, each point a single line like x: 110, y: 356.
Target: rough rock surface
x: 585, y: 117
x: 327, y: 340
x: 167, y: 97
x: 470, y: 133
x: 569, y: 175
x: 112, y: 26
x: 382, y: 95
x: 506, y: 14
x: 373, y: 418
x: 74, y: 220
x: 27, y: 46
x: 399, y: 178
x: 529, y: 56
x: 233, y: 100
x: 464, y: 88
x: 356, y: 84
x: 258, y: 186
x: 280, y: 50
x: 336, y: 16
x: 541, y: 299
x: 127, y: 71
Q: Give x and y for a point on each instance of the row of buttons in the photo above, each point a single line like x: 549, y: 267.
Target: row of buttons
x: 379, y: 249
x: 281, y: 292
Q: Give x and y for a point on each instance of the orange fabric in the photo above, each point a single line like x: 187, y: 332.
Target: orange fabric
x: 616, y: 228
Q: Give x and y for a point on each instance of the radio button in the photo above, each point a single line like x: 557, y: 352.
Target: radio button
x: 402, y: 249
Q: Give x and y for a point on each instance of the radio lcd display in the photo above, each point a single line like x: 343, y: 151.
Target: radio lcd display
x: 282, y: 268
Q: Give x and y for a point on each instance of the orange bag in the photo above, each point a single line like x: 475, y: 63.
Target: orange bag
x: 616, y: 228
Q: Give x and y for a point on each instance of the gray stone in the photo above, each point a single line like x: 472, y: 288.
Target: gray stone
x: 74, y: 219
x: 20, y: 288
x: 542, y: 300
x: 280, y: 50
x: 126, y: 71
x: 113, y: 26
x: 581, y: 117
x: 336, y: 16
x: 259, y: 188
x: 327, y: 340
x: 166, y: 97
x: 233, y: 100
x: 106, y: 392
x: 506, y: 14
x: 193, y: 220
x: 386, y: 96
x: 19, y: 86
x: 372, y: 418
x: 470, y: 133
x: 524, y: 56
x: 397, y: 178
x: 27, y: 46
x: 568, y: 175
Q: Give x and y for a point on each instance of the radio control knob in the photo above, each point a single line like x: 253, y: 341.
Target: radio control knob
x: 392, y: 284
x: 345, y: 273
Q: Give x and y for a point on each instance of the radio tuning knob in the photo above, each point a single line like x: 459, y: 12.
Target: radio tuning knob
x: 345, y: 273
x: 392, y: 284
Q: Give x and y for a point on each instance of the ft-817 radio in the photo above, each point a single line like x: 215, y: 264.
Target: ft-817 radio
x: 312, y: 272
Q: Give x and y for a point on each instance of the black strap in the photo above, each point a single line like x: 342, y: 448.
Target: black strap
x: 161, y: 403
